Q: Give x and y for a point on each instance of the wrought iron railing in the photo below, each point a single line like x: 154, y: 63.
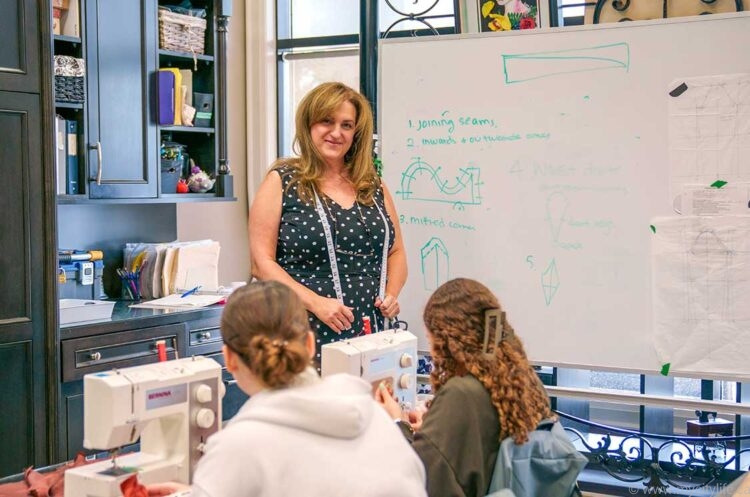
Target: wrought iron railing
x: 658, y: 463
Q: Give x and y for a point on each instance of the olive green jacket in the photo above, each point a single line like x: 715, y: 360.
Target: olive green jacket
x: 459, y: 440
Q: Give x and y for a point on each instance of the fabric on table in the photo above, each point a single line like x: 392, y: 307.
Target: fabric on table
x: 41, y: 483
x: 37, y: 482
x: 132, y: 488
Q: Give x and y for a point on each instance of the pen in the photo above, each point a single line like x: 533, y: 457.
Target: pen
x: 190, y: 292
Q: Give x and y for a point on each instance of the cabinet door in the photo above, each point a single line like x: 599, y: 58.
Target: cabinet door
x: 22, y: 285
x: 122, y: 151
x: 19, y: 46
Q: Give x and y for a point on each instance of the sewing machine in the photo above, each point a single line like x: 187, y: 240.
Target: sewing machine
x: 389, y: 356
x: 173, y: 406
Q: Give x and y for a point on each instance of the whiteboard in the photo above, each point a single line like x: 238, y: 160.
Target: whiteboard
x: 536, y: 162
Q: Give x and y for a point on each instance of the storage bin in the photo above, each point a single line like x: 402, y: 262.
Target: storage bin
x: 78, y: 310
x: 204, y: 109
x: 171, y: 170
x: 181, y: 33
x: 69, y: 79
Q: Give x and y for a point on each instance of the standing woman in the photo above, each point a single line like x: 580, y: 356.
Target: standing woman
x: 485, y: 391
x: 324, y: 223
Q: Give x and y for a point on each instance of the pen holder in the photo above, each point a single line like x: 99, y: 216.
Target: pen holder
x: 131, y: 284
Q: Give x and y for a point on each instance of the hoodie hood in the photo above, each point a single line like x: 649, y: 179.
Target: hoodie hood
x: 339, y: 406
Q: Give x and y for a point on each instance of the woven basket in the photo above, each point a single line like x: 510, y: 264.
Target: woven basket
x: 69, y: 79
x: 181, y: 33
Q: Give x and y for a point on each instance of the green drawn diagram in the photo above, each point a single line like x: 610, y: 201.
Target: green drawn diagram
x: 550, y: 282
x: 435, y: 263
x: 421, y: 181
x: 529, y: 66
x: 557, y: 207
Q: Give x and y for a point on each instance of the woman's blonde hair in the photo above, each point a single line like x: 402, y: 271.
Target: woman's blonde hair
x: 455, y: 317
x: 265, y: 324
x: 320, y: 104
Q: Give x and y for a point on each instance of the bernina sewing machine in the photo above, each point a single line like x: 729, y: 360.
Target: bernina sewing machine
x: 173, y: 406
x: 388, y: 357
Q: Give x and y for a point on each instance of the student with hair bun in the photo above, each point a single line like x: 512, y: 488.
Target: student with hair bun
x: 298, y: 434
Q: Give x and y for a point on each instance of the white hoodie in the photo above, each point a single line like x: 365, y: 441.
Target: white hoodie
x: 324, y: 438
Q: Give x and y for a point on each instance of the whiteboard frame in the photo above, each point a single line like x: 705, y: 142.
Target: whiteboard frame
x: 585, y: 28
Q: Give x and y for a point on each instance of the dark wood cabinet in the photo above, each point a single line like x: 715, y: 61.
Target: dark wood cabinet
x: 42, y: 412
x: 23, y: 323
x: 120, y: 142
x: 121, y: 139
x: 19, y: 46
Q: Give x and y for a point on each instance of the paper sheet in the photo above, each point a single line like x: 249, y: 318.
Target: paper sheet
x: 699, y: 200
x: 709, y: 131
x: 701, y: 284
x: 176, y: 301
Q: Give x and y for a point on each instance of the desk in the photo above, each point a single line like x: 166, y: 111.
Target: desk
x: 717, y: 427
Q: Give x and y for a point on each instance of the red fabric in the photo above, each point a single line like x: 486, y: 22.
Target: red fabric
x: 36, y: 484
x: 15, y: 489
x: 131, y: 487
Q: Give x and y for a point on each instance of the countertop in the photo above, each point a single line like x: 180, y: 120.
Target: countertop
x: 125, y: 317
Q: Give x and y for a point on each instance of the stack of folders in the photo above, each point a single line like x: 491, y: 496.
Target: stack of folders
x: 66, y: 156
x: 175, y: 267
x: 175, y: 90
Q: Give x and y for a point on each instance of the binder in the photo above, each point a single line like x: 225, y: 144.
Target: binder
x: 72, y: 157
x: 61, y: 152
x: 166, y: 88
x: 177, y: 94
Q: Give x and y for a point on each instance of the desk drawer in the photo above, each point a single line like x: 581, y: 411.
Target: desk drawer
x: 82, y: 356
x: 204, y: 336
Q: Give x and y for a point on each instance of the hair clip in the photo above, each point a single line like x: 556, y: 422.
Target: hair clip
x: 494, y: 322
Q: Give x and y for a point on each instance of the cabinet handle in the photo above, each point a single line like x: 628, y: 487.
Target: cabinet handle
x: 95, y: 356
x: 98, y: 148
x: 204, y: 336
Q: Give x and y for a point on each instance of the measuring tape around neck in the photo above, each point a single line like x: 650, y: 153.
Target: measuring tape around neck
x: 332, y: 251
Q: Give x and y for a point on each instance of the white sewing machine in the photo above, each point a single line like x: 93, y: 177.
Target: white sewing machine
x: 173, y: 406
x: 389, y: 356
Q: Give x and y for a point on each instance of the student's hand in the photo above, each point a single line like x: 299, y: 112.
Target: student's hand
x: 167, y: 488
x: 388, y: 306
x: 334, y: 314
x: 415, y: 419
x: 384, y: 398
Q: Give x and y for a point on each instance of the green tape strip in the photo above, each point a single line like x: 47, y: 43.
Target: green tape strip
x: 665, y: 369
x: 653, y: 228
x: 718, y: 183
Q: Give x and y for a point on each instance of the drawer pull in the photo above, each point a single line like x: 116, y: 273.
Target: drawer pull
x: 206, y: 335
x: 95, y: 356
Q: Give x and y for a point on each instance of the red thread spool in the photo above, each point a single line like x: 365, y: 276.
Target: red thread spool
x: 366, y: 325
x: 161, y: 349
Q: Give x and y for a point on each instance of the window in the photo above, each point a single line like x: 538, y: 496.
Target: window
x: 318, y: 40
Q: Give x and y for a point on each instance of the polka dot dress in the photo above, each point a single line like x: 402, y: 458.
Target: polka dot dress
x: 358, y: 234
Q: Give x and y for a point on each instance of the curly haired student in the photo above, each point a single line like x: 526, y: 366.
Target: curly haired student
x: 485, y: 391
